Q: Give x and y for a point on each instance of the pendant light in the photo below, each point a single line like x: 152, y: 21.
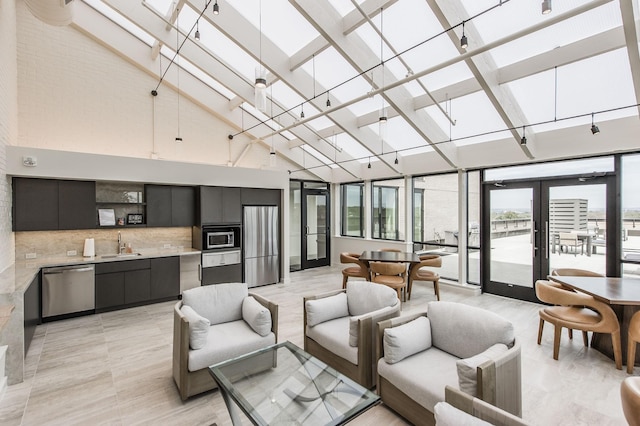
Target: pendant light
x: 260, y: 91
x: 523, y: 140
x: 272, y: 151
x: 197, y: 34
x: 178, y: 137
x: 216, y: 8
x: 594, y: 128
x: 463, y: 39
x: 546, y: 7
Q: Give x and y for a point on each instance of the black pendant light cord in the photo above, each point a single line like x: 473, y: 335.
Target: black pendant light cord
x: 154, y: 92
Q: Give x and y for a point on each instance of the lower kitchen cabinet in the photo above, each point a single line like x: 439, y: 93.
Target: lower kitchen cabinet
x: 136, y: 282
x: 222, y: 274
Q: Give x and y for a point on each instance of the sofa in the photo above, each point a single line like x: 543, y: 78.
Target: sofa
x: 452, y: 344
x: 340, y: 327
x: 215, y: 323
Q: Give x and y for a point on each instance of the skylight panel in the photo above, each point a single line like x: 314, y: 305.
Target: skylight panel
x: 279, y: 21
x: 121, y: 20
x: 162, y: 6
x: 352, y: 147
x: 447, y: 76
x: 515, y: 16
x: 594, y: 84
x: 319, y: 156
x: 474, y: 115
x: 343, y: 6
x: 400, y: 135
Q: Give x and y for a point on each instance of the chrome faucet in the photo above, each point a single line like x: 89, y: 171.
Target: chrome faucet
x: 120, y: 245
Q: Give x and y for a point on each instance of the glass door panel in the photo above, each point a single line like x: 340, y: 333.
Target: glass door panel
x: 295, y: 233
x: 316, y: 229
x: 576, y: 222
x: 512, y: 245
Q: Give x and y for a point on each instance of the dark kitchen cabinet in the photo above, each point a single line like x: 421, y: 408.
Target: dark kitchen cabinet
x: 219, y: 205
x: 32, y: 309
x: 165, y: 278
x: 47, y: 204
x: 76, y: 204
x: 109, y: 290
x: 170, y: 205
x: 222, y: 274
x: 137, y: 286
x: 35, y: 204
x: 260, y: 197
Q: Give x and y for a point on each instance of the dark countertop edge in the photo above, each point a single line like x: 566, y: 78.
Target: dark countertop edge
x: 18, y: 277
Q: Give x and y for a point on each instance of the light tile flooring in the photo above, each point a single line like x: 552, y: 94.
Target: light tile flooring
x: 115, y: 368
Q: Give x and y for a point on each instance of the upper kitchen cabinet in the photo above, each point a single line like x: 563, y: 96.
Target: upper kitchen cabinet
x: 260, y: 197
x: 123, y: 200
x: 219, y: 205
x: 46, y: 204
x: 170, y: 205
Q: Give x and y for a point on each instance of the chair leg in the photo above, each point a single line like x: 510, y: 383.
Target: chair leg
x: 570, y: 333
x: 585, y: 338
x: 617, y: 349
x: 540, y: 328
x: 631, y: 354
x: 344, y: 281
x: 409, y: 283
x: 436, y: 288
x: 556, y: 341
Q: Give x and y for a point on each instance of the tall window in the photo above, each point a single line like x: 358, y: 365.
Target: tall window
x: 418, y: 214
x: 387, y: 217
x: 630, y: 231
x: 352, y: 213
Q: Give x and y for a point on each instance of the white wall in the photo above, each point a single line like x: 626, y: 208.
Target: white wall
x: 8, y: 123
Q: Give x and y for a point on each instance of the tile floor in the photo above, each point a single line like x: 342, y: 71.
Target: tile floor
x: 115, y: 368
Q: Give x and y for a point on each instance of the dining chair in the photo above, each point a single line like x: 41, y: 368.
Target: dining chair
x: 395, y: 250
x: 417, y: 272
x: 390, y: 274
x: 577, y: 311
x: 630, y: 397
x: 632, y: 341
x: 569, y: 239
x: 361, y: 270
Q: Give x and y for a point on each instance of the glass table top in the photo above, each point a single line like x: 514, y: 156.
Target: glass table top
x: 283, y: 384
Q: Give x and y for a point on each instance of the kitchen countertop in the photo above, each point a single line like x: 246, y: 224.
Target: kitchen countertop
x: 17, y: 277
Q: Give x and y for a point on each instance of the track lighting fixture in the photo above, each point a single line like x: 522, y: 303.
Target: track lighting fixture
x: 594, y: 128
x: 197, y: 34
x: 216, y: 8
x: 463, y: 39
x: 546, y: 7
x: 523, y: 140
x: 328, y: 100
x: 369, y: 165
x: 396, y: 160
x: 302, y: 111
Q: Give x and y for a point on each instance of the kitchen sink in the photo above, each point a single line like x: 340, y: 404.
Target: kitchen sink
x: 119, y: 256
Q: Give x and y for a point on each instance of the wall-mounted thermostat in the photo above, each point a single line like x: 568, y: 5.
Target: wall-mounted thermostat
x: 29, y: 161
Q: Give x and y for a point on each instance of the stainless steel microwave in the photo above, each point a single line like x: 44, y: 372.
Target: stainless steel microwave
x: 219, y: 239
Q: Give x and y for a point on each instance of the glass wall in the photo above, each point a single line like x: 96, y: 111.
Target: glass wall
x: 295, y: 217
x: 630, y: 230
x: 352, y: 209
x: 388, y: 207
x: 473, y: 215
x: 436, y: 219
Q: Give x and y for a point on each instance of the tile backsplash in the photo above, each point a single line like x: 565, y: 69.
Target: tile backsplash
x: 58, y: 243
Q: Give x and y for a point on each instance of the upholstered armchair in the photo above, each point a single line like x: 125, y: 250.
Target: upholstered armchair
x: 215, y: 323
x: 340, y: 327
x: 451, y: 344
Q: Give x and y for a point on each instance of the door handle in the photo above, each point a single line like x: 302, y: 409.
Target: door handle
x: 199, y: 272
x: 546, y: 242
x: 534, y: 248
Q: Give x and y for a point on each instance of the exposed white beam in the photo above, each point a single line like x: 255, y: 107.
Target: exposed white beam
x: 631, y: 37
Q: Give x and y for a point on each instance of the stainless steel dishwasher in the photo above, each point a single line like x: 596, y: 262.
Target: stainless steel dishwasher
x: 68, y: 290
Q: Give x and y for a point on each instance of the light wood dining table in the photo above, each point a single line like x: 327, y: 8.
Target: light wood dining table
x: 622, y: 294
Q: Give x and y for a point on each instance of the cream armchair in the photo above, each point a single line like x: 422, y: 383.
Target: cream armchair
x: 340, y: 327
x: 454, y: 345
x: 215, y: 323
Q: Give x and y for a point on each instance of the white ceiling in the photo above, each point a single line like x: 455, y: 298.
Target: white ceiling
x: 448, y: 107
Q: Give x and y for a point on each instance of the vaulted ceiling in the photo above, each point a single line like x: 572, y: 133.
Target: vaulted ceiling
x: 346, y: 63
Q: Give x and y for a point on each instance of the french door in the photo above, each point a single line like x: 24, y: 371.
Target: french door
x: 524, y: 223
x: 310, y: 225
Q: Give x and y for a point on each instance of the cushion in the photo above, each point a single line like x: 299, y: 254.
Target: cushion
x: 354, y: 322
x: 326, y: 308
x: 464, y: 330
x: 226, y: 341
x: 219, y: 302
x: 448, y: 415
x: 198, y: 327
x: 406, y: 339
x: 468, y: 368
x: 422, y: 376
x: 333, y: 335
x: 364, y: 297
x: 256, y: 315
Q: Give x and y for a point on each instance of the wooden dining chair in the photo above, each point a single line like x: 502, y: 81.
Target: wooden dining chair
x: 630, y: 398
x: 361, y: 270
x: 577, y: 311
x: 390, y: 274
x: 632, y: 341
x: 418, y: 272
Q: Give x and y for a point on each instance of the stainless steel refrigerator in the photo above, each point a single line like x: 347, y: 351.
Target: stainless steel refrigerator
x: 260, y: 245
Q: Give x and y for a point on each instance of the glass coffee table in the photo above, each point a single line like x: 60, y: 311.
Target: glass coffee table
x: 282, y: 384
